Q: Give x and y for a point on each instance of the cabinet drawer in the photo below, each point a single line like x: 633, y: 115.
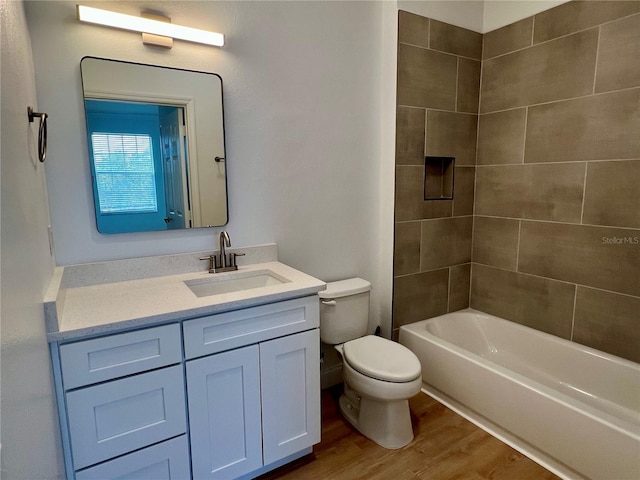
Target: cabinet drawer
x: 224, y: 331
x: 106, y: 358
x: 166, y: 461
x: 117, y: 417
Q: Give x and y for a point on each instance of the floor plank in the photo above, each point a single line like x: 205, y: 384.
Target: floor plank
x: 445, y: 447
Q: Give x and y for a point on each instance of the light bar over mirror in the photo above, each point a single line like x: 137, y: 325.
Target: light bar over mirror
x: 147, y: 25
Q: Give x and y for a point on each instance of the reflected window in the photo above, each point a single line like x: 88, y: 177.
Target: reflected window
x: 125, y: 173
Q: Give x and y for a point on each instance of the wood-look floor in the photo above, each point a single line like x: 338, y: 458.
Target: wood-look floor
x: 445, y: 447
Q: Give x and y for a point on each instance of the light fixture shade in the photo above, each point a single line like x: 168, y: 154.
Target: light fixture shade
x: 145, y: 25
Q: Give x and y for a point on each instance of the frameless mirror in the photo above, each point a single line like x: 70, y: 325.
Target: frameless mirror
x: 156, y: 146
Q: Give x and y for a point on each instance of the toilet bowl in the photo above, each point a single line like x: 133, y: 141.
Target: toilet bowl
x: 379, y: 375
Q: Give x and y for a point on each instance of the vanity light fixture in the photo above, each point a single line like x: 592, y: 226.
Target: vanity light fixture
x: 147, y: 25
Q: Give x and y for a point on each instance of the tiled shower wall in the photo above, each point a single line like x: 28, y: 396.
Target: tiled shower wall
x: 438, y: 86
x: 557, y: 210
x: 556, y: 226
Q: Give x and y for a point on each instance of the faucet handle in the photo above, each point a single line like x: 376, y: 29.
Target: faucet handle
x: 233, y: 257
x: 213, y: 262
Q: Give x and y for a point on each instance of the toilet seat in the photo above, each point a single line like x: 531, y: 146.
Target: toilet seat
x: 382, y: 359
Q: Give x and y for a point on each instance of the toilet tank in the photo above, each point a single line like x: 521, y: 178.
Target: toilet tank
x: 344, y: 310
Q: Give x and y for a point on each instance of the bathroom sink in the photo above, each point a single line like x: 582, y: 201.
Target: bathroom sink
x: 235, y: 282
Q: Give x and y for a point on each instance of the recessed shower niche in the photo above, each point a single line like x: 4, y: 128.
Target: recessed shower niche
x: 438, y: 178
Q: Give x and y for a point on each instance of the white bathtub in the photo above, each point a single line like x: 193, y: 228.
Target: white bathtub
x: 573, y: 409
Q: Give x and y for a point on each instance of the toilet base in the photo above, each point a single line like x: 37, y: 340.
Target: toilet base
x: 387, y: 423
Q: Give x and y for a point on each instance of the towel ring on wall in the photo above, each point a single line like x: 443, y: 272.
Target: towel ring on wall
x: 42, y: 132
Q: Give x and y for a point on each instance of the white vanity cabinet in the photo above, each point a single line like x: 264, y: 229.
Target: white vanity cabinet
x: 256, y: 405
x: 120, y: 394
x: 247, y: 380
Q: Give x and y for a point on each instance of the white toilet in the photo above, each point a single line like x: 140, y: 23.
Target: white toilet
x: 379, y: 375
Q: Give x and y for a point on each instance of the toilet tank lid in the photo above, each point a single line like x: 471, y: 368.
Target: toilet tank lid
x: 343, y: 288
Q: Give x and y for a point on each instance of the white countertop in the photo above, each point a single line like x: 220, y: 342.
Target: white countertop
x: 83, y: 311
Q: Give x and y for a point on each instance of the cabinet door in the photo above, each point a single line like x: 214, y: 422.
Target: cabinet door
x: 165, y: 461
x: 224, y: 413
x: 290, y: 374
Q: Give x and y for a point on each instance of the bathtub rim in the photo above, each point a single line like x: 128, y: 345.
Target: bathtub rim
x: 623, y: 426
x: 538, y: 333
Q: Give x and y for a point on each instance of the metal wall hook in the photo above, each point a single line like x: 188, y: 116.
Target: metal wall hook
x: 42, y: 132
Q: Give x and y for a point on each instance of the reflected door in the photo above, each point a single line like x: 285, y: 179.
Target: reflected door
x: 172, y: 135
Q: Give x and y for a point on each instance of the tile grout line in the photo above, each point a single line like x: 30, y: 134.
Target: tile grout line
x: 535, y: 220
x: 420, y: 250
x: 533, y: 31
x: 555, y: 38
x: 565, y: 162
x: 444, y: 268
x: 573, y: 224
x: 559, y: 100
x: 422, y: 47
x: 449, y: 289
x: 595, y: 69
x: 455, y: 100
x: 524, y: 139
x: 584, y: 192
x: 551, y: 279
x: 475, y: 178
x: 518, y: 246
x: 550, y: 102
x: 573, y: 316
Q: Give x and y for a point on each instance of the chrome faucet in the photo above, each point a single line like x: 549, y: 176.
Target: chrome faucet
x: 222, y: 263
x: 224, y: 240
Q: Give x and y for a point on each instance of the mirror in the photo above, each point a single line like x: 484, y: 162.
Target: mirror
x: 156, y: 146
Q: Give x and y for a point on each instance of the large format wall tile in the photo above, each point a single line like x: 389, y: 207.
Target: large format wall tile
x: 539, y: 303
x: 413, y: 29
x: 407, y: 248
x: 452, y: 135
x: 426, y: 78
x: 619, y: 55
x: 578, y: 15
x: 451, y: 39
x: 600, y: 257
x: 463, y: 188
x: 612, y: 194
x: 609, y: 322
x: 410, y: 135
x: 540, y: 192
x: 445, y: 242
x: 598, y: 127
x: 420, y: 296
x: 501, y: 137
x: 410, y: 202
x: 551, y: 71
x: 468, y: 85
x: 459, y: 287
x: 495, y: 242
x: 507, y: 39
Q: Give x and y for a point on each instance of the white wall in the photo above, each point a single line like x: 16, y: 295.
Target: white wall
x: 462, y: 13
x: 302, y: 104
x: 498, y: 13
x: 29, y: 431
x: 478, y: 15
x: 309, y: 94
